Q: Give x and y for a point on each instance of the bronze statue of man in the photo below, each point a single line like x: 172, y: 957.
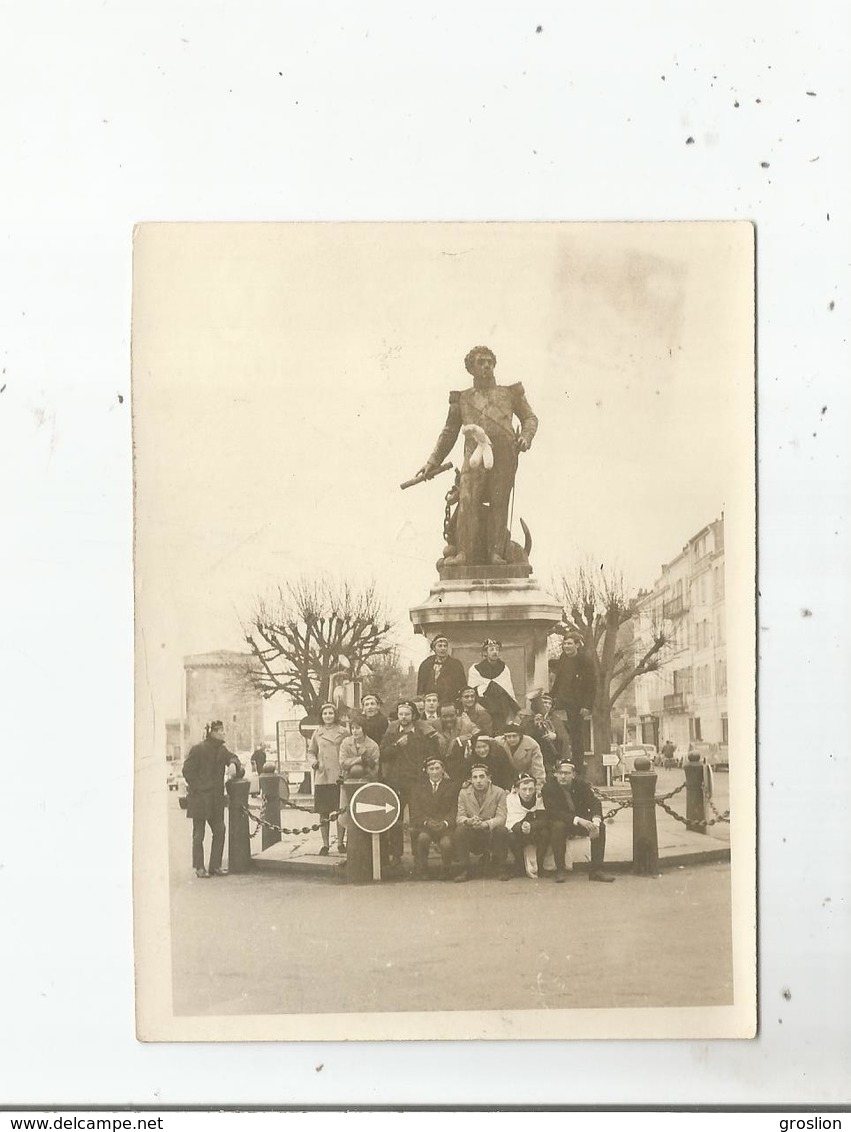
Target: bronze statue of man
x: 485, y: 414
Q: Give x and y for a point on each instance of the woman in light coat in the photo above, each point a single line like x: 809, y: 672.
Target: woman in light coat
x: 325, y: 750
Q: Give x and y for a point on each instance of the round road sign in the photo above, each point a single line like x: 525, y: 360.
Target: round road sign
x: 374, y: 807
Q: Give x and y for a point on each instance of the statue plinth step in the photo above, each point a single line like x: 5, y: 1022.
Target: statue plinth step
x: 484, y: 573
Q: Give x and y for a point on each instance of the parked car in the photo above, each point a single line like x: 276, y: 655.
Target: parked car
x: 629, y: 752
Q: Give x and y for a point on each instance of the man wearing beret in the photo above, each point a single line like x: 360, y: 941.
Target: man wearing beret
x: 433, y: 806
x: 480, y: 821
x: 574, y: 690
x: 528, y: 825
x: 523, y: 752
x: 574, y: 810
x: 204, y: 771
x: 441, y: 673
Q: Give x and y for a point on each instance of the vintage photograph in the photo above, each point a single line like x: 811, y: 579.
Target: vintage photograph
x: 445, y: 662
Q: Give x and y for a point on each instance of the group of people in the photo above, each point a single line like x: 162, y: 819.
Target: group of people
x: 474, y: 774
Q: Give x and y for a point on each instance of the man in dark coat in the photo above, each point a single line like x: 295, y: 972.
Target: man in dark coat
x: 375, y: 722
x: 573, y: 691
x: 433, y: 806
x: 548, y: 730
x: 574, y: 810
x: 482, y: 750
x: 204, y: 771
x: 441, y: 673
x: 406, y: 745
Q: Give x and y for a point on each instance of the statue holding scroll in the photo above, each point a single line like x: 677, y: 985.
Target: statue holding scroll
x: 485, y: 415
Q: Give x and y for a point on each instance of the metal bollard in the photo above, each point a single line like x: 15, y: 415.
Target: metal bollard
x: 359, y: 851
x: 695, y: 799
x: 239, y: 836
x: 274, y: 788
x: 645, y: 842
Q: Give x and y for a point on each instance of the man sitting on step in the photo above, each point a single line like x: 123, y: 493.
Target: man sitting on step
x: 574, y: 811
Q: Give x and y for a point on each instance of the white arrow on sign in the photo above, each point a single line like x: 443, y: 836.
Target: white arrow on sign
x: 369, y: 807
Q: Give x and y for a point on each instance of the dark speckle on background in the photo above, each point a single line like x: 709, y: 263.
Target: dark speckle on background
x: 811, y: 93
x: 765, y: 165
x: 806, y: 612
x: 831, y: 305
x: 538, y: 29
x: 689, y: 141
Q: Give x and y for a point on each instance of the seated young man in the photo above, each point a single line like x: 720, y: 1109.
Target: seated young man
x: 523, y: 752
x: 472, y: 716
x: 528, y: 827
x: 480, y: 821
x: 489, y: 753
x: 433, y: 808
x: 548, y: 730
x: 431, y: 709
x: 574, y: 811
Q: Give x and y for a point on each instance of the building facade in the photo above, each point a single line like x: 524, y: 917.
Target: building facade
x: 215, y: 687
x: 686, y: 701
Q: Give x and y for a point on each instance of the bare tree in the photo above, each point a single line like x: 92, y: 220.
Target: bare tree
x: 314, y: 628
x: 390, y: 681
x: 598, y: 604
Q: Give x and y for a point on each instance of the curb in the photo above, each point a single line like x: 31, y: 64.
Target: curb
x: 338, y: 875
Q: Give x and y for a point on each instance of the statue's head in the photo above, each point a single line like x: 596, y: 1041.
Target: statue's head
x: 481, y: 362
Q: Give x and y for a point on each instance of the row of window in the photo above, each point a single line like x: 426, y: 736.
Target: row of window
x: 695, y: 732
x: 699, y: 680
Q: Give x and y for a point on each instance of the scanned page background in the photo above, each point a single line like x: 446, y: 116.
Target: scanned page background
x: 173, y: 113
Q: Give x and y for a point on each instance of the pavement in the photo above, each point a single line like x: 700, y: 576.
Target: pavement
x: 280, y: 939
x: 678, y: 846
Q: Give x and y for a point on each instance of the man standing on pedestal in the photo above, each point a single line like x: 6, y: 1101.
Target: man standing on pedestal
x: 573, y: 691
x: 491, y: 678
x: 204, y: 771
x: 441, y: 673
x: 485, y: 413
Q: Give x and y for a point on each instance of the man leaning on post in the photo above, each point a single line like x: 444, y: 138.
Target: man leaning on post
x: 480, y: 821
x: 204, y: 771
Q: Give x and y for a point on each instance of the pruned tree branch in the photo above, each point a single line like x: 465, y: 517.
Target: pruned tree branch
x: 314, y: 628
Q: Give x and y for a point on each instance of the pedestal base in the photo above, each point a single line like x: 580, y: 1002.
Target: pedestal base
x: 514, y: 610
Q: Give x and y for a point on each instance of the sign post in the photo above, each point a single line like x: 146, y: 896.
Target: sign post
x: 374, y: 808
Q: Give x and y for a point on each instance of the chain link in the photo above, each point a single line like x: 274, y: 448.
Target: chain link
x: 725, y: 817
x: 333, y: 816
x: 626, y: 803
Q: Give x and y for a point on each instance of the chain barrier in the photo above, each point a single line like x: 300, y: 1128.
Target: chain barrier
x: 333, y: 816
x: 626, y: 803
x: 718, y: 816
x: 725, y: 817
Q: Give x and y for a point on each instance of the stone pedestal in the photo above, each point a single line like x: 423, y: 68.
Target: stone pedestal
x: 486, y: 603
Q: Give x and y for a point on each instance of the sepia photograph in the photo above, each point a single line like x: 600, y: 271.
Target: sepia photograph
x: 445, y: 598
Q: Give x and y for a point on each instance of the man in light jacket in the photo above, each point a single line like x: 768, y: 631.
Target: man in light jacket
x: 523, y: 752
x: 480, y: 822
x: 528, y: 826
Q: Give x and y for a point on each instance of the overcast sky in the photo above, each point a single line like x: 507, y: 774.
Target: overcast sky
x: 287, y: 378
